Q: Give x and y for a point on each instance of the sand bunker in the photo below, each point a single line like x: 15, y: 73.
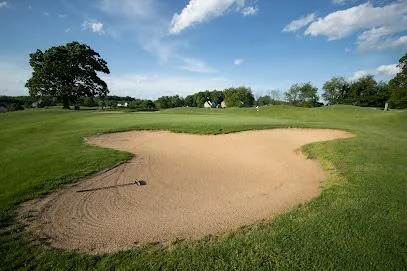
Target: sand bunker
x: 195, y: 185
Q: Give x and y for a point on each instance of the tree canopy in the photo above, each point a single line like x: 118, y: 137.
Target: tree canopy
x: 238, y: 97
x: 198, y: 99
x: 302, y: 95
x: 364, y: 91
x: 68, y: 72
x: 165, y: 102
x: 398, y: 86
x: 335, y: 90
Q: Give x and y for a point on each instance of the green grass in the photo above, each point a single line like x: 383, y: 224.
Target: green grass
x: 358, y: 222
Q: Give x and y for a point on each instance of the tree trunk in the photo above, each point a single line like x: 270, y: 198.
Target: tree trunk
x: 65, y: 102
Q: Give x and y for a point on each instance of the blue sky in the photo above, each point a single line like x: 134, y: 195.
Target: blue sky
x: 166, y: 47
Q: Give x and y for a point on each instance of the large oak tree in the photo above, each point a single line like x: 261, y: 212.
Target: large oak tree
x: 67, y: 72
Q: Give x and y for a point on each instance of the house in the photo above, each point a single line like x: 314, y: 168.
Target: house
x: 122, y: 105
x: 38, y: 104
x: 208, y: 104
x: 223, y: 104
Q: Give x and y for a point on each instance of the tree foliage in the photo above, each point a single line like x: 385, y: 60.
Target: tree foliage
x: 302, y: 95
x: 165, y: 102
x: 268, y: 100
x: 142, y: 105
x: 398, y: 86
x: 365, y: 91
x: 28, y: 101
x: 335, y: 90
x: 14, y: 107
x: 68, y: 72
x: 264, y: 100
x: 238, y: 97
x: 198, y: 99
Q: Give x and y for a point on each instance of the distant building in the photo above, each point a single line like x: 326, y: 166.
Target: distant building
x: 3, y: 109
x: 208, y: 104
x: 38, y: 104
x: 122, y: 105
x: 223, y: 104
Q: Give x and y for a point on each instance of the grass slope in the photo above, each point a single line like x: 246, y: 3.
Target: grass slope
x: 358, y: 222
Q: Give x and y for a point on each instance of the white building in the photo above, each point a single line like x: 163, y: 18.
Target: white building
x: 208, y: 104
x: 122, y: 105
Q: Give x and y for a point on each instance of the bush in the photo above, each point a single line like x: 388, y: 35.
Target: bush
x: 14, y: 107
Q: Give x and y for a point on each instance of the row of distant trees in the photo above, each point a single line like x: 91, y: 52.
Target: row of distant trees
x: 363, y: 92
x: 68, y: 75
x: 233, y: 97
x: 14, y: 103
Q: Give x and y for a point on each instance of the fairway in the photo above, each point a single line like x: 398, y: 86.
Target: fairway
x: 357, y: 222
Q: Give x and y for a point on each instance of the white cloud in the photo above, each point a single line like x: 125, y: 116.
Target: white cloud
x: 3, y: 4
x: 198, y: 11
x: 93, y: 25
x: 46, y: 14
x: 250, y: 11
x: 67, y: 30
x: 383, y: 71
x: 238, y: 61
x: 390, y: 70
x: 195, y: 65
x: 13, y: 78
x: 380, y: 42
x: 379, y: 25
x: 358, y: 74
x: 62, y: 16
x: 300, y: 23
x: 152, y: 86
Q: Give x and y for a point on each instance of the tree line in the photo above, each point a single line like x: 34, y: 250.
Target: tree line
x: 365, y: 92
x: 68, y: 75
x: 233, y: 97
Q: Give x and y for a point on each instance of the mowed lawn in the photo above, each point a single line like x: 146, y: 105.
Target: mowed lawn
x: 358, y: 223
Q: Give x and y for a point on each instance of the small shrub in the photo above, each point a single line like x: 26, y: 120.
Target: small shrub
x: 14, y: 107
